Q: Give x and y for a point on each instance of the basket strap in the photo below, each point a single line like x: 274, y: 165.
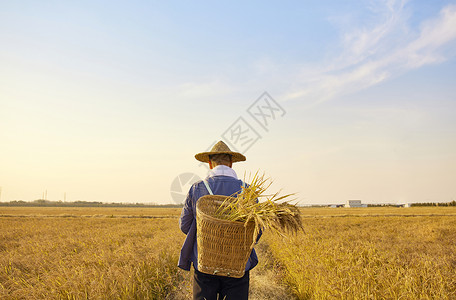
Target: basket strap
x: 243, y: 184
x: 207, y: 187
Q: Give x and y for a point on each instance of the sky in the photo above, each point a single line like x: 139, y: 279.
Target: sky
x: 333, y: 100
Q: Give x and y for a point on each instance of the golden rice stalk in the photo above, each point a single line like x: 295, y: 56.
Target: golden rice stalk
x: 249, y: 206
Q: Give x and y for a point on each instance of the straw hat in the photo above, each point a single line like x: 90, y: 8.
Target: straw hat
x: 220, y: 148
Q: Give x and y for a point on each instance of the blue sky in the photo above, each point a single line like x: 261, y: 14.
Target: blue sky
x: 109, y: 101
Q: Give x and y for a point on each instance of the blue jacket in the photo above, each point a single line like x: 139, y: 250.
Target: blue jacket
x: 220, y: 185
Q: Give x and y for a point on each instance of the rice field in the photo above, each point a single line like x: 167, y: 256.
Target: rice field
x: 88, y: 258
x: 371, y: 258
x: 132, y: 253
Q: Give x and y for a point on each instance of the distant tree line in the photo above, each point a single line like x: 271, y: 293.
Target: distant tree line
x: 48, y: 203
x: 452, y: 203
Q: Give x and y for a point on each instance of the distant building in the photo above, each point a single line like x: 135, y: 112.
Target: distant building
x: 408, y: 205
x: 355, y: 203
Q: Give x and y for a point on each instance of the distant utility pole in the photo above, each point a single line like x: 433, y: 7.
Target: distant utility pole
x: 0, y: 194
x: 64, y: 197
x: 46, y: 195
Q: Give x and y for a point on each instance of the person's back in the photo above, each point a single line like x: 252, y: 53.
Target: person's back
x: 221, y: 180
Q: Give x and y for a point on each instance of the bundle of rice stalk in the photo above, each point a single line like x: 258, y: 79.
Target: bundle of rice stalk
x: 264, y: 210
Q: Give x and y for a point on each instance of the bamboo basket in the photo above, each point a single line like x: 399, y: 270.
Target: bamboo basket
x: 224, y: 246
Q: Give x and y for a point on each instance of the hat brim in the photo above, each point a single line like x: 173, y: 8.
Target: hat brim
x: 235, y: 156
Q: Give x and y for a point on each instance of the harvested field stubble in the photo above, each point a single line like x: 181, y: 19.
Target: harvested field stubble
x: 66, y: 212
x: 343, y: 254
x: 82, y: 258
x: 371, y: 258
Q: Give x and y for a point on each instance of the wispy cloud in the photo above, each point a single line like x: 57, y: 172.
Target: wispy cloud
x: 372, y: 55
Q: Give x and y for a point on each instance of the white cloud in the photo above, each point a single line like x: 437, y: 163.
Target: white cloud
x: 435, y: 34
x: 361, y: 43
x: 370, y: 56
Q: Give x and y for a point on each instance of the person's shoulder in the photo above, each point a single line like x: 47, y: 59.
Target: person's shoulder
x: 227, y: 179
x: 224, y: 177
x: 197, y: 183
x: 196, y: 189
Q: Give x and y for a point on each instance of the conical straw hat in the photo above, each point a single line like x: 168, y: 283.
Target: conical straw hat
x: 220, y: 148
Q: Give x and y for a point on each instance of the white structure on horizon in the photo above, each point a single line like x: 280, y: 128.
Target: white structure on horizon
x: 355, y: 203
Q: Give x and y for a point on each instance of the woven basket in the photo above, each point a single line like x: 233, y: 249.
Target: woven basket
x: 224, y: 246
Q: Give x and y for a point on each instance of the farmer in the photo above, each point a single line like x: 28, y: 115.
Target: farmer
x: 222, y: 180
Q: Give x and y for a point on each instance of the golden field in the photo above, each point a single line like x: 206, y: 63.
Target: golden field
x: 371, y: 258
x: 90, y: 211
x: 132, y: 253
x: 88, y: 258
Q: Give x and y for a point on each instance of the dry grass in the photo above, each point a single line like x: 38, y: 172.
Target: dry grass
x: 368, y: 253
x: 89, y: 258
x: 266, y: 279
x: 265, y: 211
x: 371, y: 258
x: 377, y: 211
x: 89, y: 211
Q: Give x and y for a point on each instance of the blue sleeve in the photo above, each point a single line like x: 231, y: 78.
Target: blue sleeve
x: 187, y: 216
x: 259, y: 235
x: 261, y: 230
